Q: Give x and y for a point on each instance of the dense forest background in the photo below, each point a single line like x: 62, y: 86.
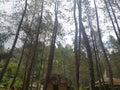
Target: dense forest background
x: 78, y: 39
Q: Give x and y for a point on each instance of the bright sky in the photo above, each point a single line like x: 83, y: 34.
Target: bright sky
x: 67, y: 22
x: 8, y: 7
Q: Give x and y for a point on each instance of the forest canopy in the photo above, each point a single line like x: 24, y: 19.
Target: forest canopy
x: 77, y: 39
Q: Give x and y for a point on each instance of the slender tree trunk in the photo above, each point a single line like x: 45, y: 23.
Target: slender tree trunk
x: 18, y: 67
x: 89, y: 54
x: 114, y: 17
x: 14, y: 43
x: 93, y: 41
x: 21, y: 57
x: 112, y: 21
x: 96, y: 59
x: 26, y: 66
x: 52, y: 47
x: 90, y: 61
x: 99, y: 71
x: 76, y: 48
x: 41, y: 65
x: 34, y: 50
x: 98, y: 67
x: 105, y: 55
x: 32, y: 79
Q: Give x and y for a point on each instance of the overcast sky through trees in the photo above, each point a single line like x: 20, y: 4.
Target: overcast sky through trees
x: 65, y: 18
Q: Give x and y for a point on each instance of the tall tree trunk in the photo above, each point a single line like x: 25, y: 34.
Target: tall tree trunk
x: 32, y: 80
x: 114, y: 17
x: 21, y: 57
x: 105, y: 54
x: 115, y: 30
x: 52, y: 47
x: 41, y: 64
x: 90, y: 61
x: 26, y: 65
x: 14, y: 43
x: 76, y: 48
x: 34, y: 50
x: 98, y: 66
x: 93, y: 40
x: 18, y: 67
x: 96, y: 59
x: 89, y: 54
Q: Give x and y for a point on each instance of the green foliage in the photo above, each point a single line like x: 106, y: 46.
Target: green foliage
x: 114, y: 56
x: 8, y: 77
x: 18, y: 83
x: 1, y: 48
x: 82, y: 88
x: 114, y: 44
x: 63, y: 60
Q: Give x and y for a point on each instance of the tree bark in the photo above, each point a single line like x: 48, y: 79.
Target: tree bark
x: 14, y: 43
x: 21, y: 57
x: 41, y: 63
x: 104, y: 52
x: 52, y: 47
x: 89, y: 54
x: 34, y: 50
x: 115, y: 30
x: 76, y: 48
x: 114, y: 17
x: 26, y: 65
x: 97, y: 58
